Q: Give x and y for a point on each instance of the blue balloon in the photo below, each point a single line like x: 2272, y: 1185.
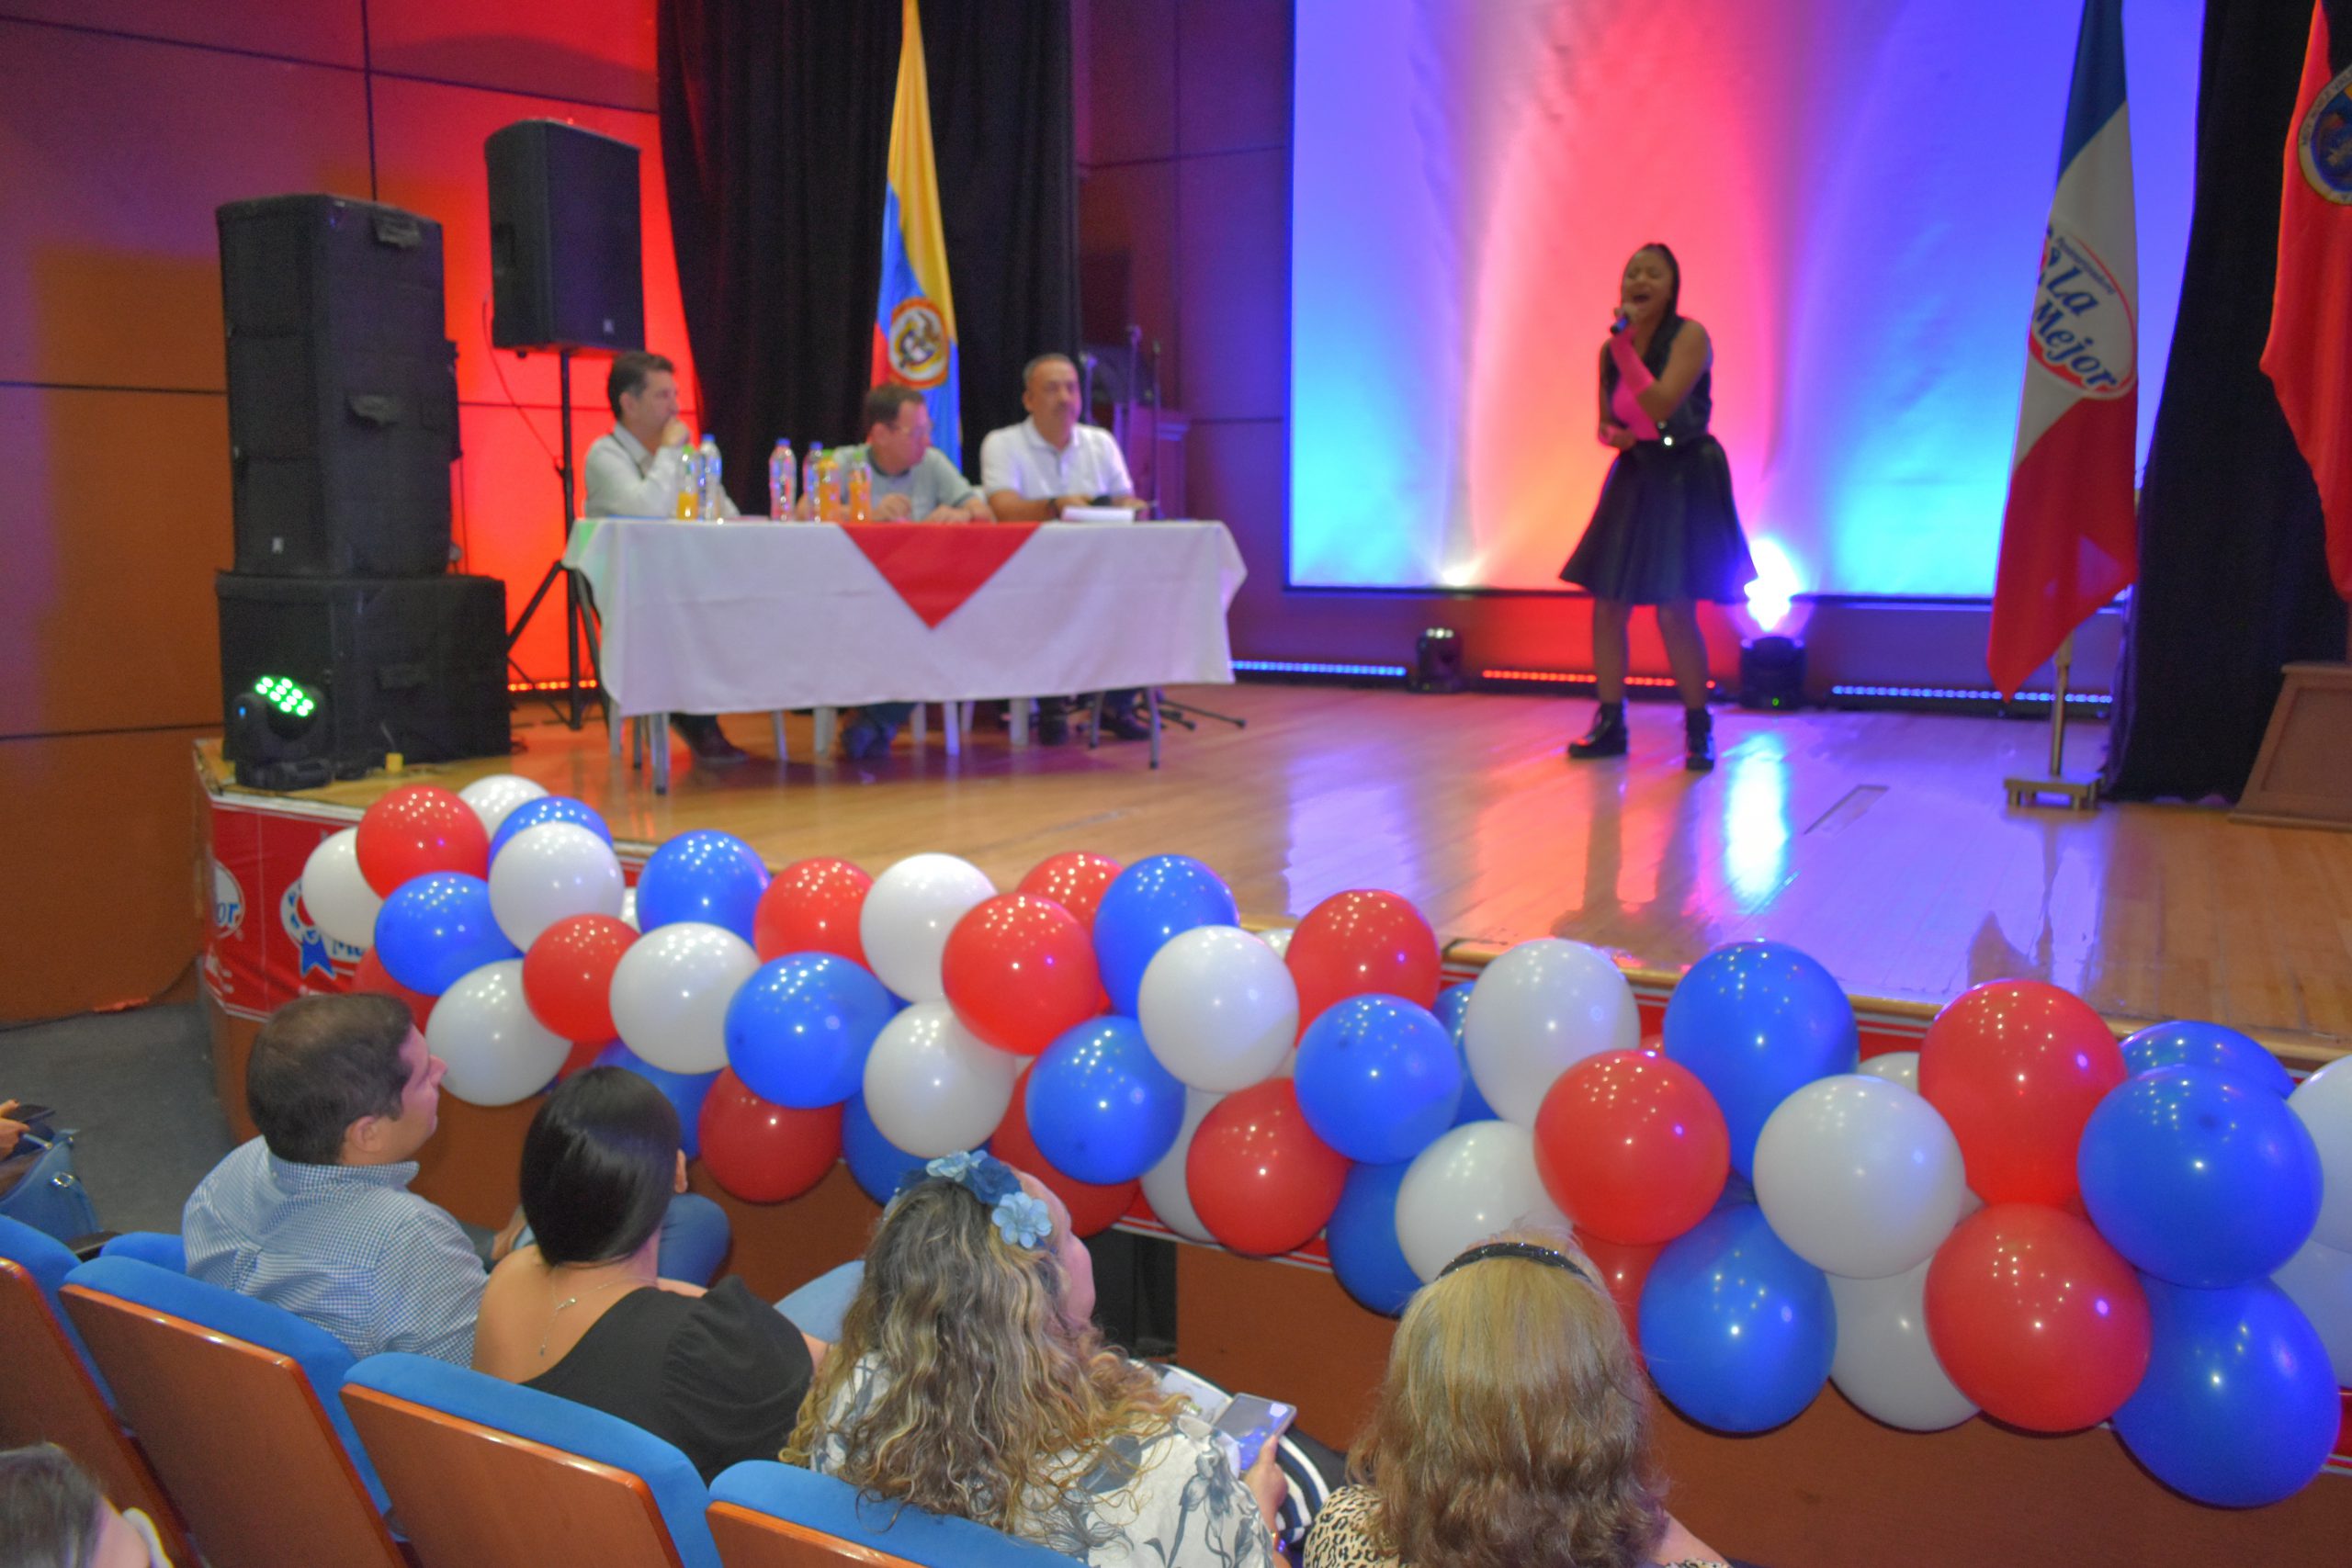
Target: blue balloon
x: 1758, y: 1021
x: 1452, y: 1005
x: 2239, y: 1406
x: 2187, y: 1044
x: 874, y: 1160
x: 1101, y: 1106
x: 2198, y: 1179
x: 437, y: 928
x: 684, y: 1090
x: 1738, y: 1331
x: 798, y: 1031
x: 1150, y: 902
x: 549, y: 808
x: 705, y: 876
x: 1378, y: 1080
x: 1362, y: 1239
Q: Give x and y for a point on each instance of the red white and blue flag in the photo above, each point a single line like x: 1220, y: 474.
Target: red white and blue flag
x: 2069, y: 536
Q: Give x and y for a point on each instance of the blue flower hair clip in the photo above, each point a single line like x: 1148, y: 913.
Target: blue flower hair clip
x: 1021, y: 1219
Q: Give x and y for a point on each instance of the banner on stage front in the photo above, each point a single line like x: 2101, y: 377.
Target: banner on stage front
x: 914, y: 319
x: 2069, y: 533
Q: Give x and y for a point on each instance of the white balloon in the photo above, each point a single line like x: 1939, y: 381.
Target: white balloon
x: 1858, y: 1175
x: 497, y: 1052
x: 907, y: 915
x: 1884, y: 1363
x: 1477, y: 1180
x: 1218, y: 1008
x: 549, y: 873
x: 2324, y: 1102
x: 495, y: 797
x: 629, y: 909
x: 1163, y: 1184
x: 1279, y: 939
x: 1535, y: 1011
x: 340, y: 901
x: 670, y: 993
x: 931, y: 1087
x: 1895, y: 1067
x: 2319, y: 1280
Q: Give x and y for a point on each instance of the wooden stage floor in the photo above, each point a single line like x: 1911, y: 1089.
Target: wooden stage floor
x: 1877, y: 841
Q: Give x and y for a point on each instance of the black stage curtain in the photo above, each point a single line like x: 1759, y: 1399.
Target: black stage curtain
x: 776, y: 130
x: 2233, y: 568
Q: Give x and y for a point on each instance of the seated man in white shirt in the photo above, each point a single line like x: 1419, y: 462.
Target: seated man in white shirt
x: 1036, y: 471
x: 637, y: 471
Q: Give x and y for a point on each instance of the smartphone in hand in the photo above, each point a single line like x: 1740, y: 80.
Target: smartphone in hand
x: 1249, y: 1424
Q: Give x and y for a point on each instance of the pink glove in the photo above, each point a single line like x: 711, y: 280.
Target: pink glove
x: 1631, y: 376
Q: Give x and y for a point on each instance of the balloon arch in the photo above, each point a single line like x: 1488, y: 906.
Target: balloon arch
x: 2025, y: 1217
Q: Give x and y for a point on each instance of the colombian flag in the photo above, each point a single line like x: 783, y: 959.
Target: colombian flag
x: 914, y: 321
x: 2069, y: 536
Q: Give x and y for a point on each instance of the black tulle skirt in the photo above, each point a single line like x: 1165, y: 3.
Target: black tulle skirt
x: 1665, y: 529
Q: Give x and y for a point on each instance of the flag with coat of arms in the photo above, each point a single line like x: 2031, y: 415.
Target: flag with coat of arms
x: 914, y: 318
x: 2069, y: 534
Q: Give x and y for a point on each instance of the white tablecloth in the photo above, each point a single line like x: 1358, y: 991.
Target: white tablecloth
x: 743, y: 617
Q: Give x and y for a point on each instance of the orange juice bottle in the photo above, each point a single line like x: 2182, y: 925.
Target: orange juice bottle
x: 690, y: 493
x: 861, y: 492
x: 829, y: 488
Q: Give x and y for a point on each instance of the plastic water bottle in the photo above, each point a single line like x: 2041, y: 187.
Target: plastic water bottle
x: 812, y: 478
x: 780, y: 477
x: 861, y: 490
x: 707, y: 490
x: 690, y: 492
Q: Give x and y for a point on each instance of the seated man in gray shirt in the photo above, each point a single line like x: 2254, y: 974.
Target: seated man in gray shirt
x: 913, y: 483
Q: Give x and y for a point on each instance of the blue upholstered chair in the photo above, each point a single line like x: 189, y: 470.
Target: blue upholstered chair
x: 486, y: 1472
x: 765, y: 1514
x: 235, y: 1402
x: 53, y: 1393
x: 161, y: 1248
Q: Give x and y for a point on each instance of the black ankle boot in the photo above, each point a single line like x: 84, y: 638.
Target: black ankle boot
x: 1607, y: 735
x: 1698, y: 741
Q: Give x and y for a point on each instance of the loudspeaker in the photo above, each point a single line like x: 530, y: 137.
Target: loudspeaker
x: 342, y: 391
x: 416, y: 665
x: 566, y: 258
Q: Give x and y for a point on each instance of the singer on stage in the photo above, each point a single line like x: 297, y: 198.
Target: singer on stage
x: 1665, y: 532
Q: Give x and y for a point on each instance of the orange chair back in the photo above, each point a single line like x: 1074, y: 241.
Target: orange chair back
x: 238, y: 1436
x: 749, y: 1539
x: 51, y: 1398
x: 470, y: 1495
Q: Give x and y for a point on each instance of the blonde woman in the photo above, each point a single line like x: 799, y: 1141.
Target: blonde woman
x: 1514, y: 1430
x: 969, y: 1380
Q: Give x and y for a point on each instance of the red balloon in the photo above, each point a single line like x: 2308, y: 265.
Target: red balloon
x: 764, y: 1153
x: 811, y: 905
x: 2016, y: 1067
x: 1355, y: 942
x: 371, y: 976
x: 1019, y: 971
x: 1259, y: 1178
x: 1633, y: 1146
x: 568, y: 975
x: 418, y: 830
x: 1074, y: 879
x: 2036, y: 1318
x: 1624, y: 1270
x: 1091, y: 1207
x: 584, y: 1056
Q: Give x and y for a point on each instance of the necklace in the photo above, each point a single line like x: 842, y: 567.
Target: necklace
x: 575, y: 1300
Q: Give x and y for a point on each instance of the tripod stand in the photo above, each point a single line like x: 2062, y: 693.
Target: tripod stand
x: 579, y: 621
x: 1160, y: 709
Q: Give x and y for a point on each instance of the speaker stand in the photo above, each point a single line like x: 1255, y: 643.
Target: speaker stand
x: 577, y: 626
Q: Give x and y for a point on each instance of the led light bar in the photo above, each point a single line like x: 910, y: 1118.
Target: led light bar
x: 1290, y: 667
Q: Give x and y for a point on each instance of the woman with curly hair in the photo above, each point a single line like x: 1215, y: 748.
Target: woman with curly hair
x: 1514, y: 1430
x: 971, y: 1381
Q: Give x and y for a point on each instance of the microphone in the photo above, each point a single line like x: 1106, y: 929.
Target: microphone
x: 1621, y: 321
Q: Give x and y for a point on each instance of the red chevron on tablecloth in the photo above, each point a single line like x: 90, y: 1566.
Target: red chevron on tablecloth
x: 935, y: 566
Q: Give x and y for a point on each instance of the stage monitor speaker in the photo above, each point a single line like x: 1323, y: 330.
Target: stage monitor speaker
x: 567, y: 261
x: 416, y: 665
x: 342, y: 391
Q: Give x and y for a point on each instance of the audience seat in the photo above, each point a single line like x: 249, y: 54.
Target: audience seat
x: 54, y: 1395
x: 234, y: 1401
x: 483, y: 1472
x: 767, y: 1514
x: 161, y: 1248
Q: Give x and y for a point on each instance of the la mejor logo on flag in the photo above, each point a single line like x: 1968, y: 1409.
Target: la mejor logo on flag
x: 917, y: 343
x: 2083, y: 330
x: 2325, y: 143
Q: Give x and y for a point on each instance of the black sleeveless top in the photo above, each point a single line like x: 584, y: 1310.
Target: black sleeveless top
x: 1688, y: 419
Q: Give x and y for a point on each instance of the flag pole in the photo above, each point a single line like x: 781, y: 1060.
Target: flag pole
x: 2064, y: 665
x: 2076, y: 797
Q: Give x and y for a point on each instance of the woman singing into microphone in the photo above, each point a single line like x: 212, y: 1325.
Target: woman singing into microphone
x: 1665, y: 532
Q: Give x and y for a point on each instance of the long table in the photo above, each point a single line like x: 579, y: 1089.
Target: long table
x: 749, y: 615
